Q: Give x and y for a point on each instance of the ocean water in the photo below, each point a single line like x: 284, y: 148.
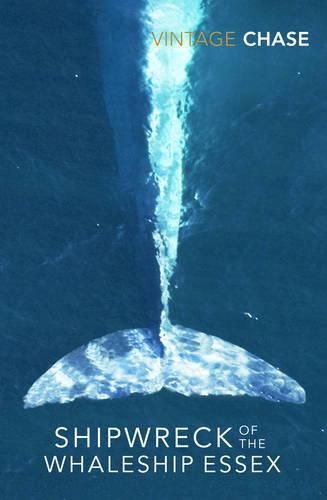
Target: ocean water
x: 253, y: 240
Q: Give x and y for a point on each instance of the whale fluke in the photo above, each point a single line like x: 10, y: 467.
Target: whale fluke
x: 116, y: 365
x: 132, y: 361
x: 197, y: 363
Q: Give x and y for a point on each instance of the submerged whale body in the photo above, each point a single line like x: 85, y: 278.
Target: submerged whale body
x: 162, y: 355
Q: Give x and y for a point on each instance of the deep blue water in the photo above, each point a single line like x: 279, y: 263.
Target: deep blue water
x: 257, y: 242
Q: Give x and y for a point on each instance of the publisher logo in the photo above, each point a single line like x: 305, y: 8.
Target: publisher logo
x: 230, y: 39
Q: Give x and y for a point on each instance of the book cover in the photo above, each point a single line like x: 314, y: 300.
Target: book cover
x: 163, y: 242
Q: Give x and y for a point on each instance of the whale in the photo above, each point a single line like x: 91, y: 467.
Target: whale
x: 147, y: 96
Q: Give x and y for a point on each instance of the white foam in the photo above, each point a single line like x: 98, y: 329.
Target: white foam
x: 166, y: 77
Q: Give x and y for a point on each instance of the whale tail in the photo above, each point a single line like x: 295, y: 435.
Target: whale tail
x: 133, y: 361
